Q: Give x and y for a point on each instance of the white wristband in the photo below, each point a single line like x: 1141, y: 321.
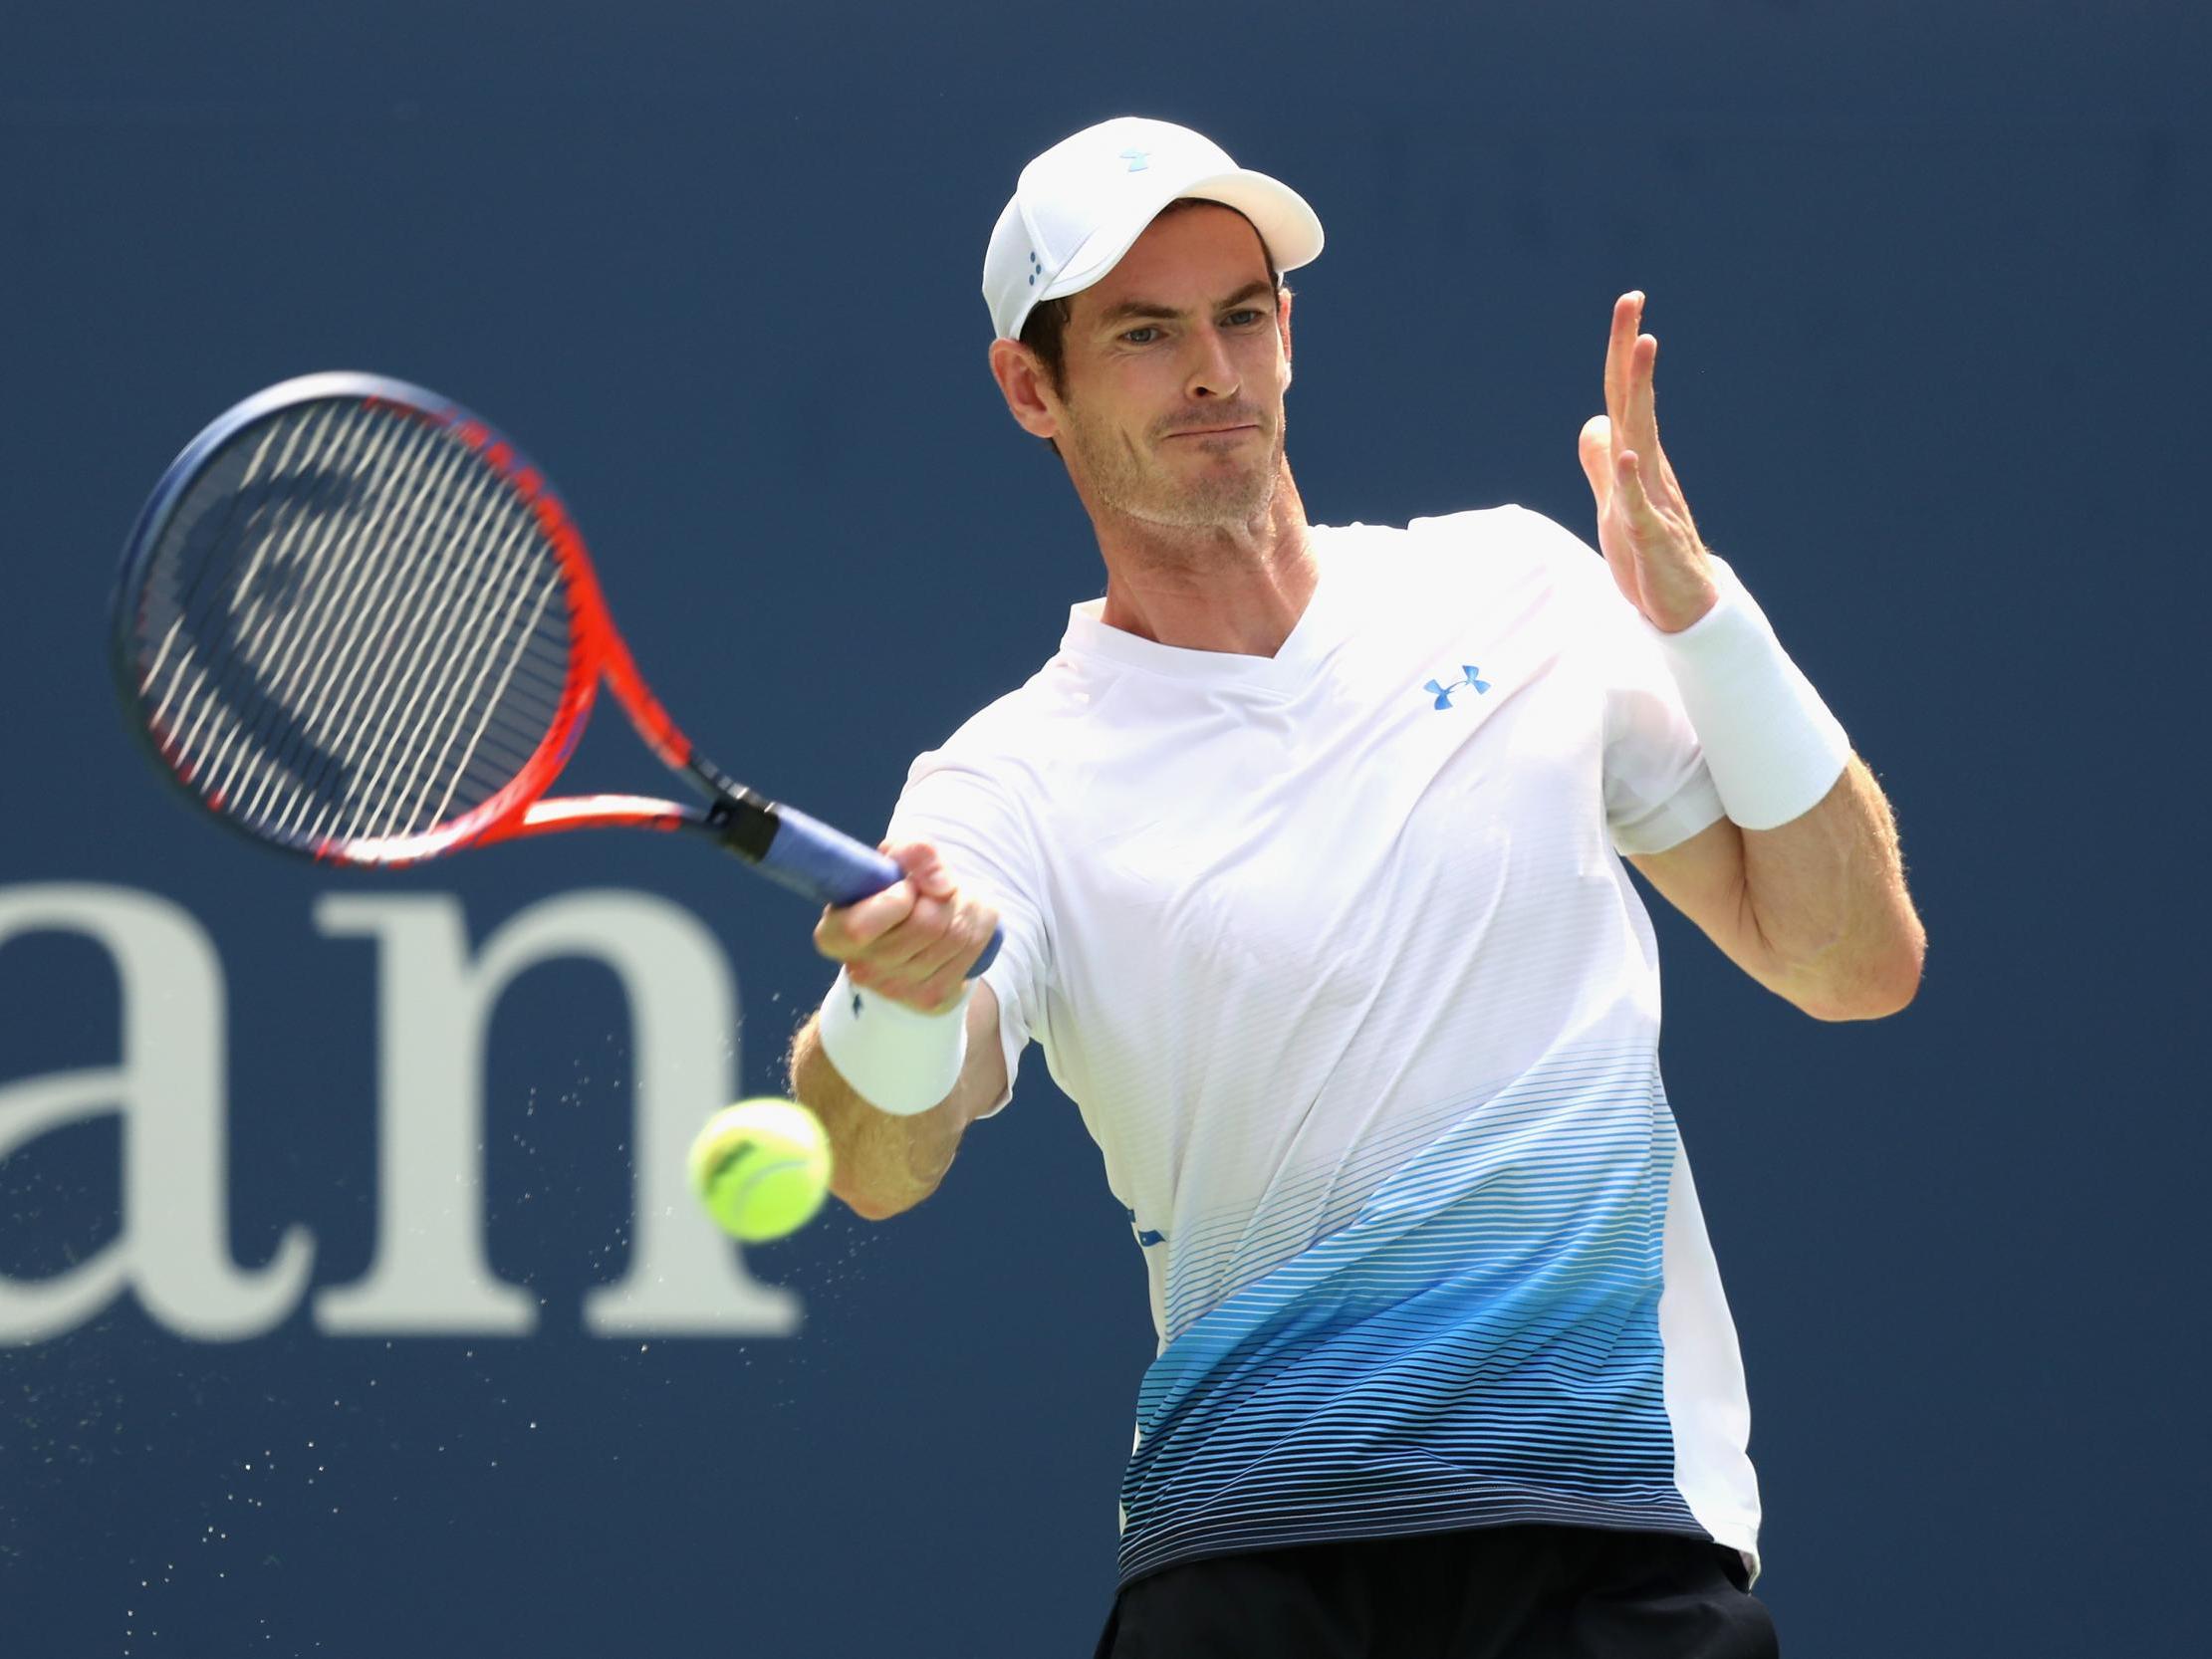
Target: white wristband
x: 1771, y: 744
x: 897, y: 1058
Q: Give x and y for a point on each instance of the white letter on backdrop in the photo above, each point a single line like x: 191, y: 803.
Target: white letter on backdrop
x: 430, y: 1273
x: 168, y: 1090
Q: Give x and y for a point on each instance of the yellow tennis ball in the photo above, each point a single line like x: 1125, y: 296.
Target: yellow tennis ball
x: 761, y: 1168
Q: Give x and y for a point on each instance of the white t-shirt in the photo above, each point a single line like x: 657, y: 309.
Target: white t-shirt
x: 1333, y: 952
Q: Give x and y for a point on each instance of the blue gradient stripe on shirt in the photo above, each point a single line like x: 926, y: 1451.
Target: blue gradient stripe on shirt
x: 1479, y: 1346
x: 1211, y: 1258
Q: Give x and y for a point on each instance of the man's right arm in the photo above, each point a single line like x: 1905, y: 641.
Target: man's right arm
x: 881, y: 1163
x: 914, y: 944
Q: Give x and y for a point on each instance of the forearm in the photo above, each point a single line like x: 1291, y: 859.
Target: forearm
x: 880, y: 1162
x: 908, y: 954
x: 1824, y: 897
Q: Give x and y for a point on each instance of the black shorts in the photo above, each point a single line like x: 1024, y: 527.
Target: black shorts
x: 1493, y: 1592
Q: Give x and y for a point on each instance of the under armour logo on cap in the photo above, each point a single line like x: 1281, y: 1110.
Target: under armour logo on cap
x: 1139, y: 160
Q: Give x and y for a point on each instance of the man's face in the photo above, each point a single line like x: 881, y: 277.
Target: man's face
x: 1172, y: 407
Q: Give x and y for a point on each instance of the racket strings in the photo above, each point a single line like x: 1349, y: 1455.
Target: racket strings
x: 354, y: 629
x: 212, y: 666
x: 190, y: 614
x: 223, y: 622
x: 442, y: 625
x: 420, y: 634
x: 293, y: 642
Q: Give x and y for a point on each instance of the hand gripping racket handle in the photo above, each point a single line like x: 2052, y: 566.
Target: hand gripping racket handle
x: 830, y: 867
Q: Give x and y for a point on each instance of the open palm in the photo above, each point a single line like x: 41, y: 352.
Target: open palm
x: 1644, y: 527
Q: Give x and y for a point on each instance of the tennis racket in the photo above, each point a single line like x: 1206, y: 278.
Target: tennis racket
x: 353, y: 622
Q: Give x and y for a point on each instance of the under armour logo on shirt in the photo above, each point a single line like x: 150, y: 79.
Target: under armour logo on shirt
x: 1469, y: 675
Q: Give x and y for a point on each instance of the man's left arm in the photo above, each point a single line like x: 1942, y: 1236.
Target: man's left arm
x: 1801, y: 884
x: 1815, y: 910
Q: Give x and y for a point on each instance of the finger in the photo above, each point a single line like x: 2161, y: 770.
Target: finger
x: 941, y: 988
x: 1628, y: 479
x: 846, y: 932
x: 930, y: 937
x: 830, y: 936
x: 946, y: 979
x: 923, y: 865
x: 1627, y: 313
x: 932, y: 970
x: 1642, y: 434
x: 1664, y: 476
x: 931, y: 975
x: 913, y: 949
x: 1594, y: 450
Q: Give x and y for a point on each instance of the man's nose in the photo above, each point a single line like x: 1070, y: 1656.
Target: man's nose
x: 1212, y: 374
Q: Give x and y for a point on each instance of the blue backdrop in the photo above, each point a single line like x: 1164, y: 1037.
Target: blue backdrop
x: 310, y: 1380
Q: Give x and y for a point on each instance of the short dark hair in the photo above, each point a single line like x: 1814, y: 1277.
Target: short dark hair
x: 1045, y: 330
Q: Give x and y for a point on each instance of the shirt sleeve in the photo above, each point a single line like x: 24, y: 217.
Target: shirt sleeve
x: 1659, y: 792
x: 989, y: 847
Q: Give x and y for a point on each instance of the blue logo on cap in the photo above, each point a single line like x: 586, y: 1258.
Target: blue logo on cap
x: 1139, y: 160
x: 1035, y: 268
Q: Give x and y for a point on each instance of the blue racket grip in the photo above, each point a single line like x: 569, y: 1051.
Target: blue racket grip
x: 830, y: 867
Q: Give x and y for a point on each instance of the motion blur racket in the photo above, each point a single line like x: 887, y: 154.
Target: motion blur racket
x: 353, y: 622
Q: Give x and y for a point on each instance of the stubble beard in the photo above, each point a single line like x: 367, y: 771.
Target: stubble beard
x: 1124, y: 481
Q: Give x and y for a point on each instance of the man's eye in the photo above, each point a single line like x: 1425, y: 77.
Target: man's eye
x: 1140, y: 337
x: 1243, y: 318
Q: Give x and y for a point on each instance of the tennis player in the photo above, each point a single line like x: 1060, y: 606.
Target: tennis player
x: 1308, y: 846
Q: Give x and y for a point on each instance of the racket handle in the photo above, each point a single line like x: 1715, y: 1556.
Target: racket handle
x: 830, y: 867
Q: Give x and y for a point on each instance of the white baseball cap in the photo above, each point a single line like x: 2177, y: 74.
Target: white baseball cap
x: 1081, y: 204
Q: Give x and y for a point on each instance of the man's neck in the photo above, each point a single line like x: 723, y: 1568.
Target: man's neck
x: 1238, y: 588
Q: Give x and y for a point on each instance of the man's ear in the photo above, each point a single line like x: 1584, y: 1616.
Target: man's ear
x: 1283, y: 328
x: 1024, y: 385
